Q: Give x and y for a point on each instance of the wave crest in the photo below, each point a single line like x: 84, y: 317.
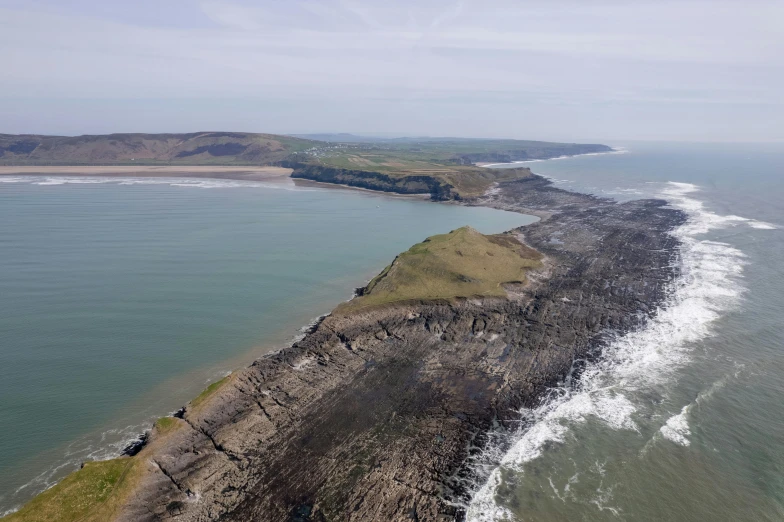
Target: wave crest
x: 710, y: 284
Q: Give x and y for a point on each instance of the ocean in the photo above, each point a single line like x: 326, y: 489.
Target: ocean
x: 121, y: 299
x: 682, y: 420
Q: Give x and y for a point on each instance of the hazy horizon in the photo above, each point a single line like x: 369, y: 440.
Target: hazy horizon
x: 559, y: 71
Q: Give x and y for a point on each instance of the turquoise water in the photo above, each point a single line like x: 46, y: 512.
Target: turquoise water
x: 122, y: 299
x: 684, y: 420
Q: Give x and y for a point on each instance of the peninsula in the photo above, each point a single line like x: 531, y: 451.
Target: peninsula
x: 377, y: 413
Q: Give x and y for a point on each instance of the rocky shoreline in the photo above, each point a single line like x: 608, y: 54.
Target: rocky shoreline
x: 424, y: 184
x: 375, y: 415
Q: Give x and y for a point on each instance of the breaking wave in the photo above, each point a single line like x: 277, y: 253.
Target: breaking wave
x: 709, y: 285
x: 105, y: 445
x: 201, y: 183
x: 616, y: 150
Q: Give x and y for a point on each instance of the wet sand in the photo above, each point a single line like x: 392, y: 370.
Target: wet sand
x: 249, y: 173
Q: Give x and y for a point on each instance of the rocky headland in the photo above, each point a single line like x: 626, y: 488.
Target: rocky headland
x: 376, y: 413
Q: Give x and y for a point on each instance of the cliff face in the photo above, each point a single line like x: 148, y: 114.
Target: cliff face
x: 438, y: 190
x: 371, y: 416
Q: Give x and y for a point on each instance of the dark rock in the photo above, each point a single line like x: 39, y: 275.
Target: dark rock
x: 136, y: 446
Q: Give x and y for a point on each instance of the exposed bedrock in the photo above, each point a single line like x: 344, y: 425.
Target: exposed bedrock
x: 425, y: 184
x: 371, y: 416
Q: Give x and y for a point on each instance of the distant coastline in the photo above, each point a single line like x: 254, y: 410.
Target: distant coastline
x: 262, y: 173
x: 613, y: 150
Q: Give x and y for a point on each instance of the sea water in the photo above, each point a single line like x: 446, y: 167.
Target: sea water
x: 682, y: 420
x: 121, y: 299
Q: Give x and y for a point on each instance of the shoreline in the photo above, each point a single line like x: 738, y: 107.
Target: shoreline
x: 150, y: 171
x: 303, y: 182
x: 615, y: 150
x: 543, y: 205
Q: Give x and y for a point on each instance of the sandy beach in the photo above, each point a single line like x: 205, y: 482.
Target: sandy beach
x: 154, y: 171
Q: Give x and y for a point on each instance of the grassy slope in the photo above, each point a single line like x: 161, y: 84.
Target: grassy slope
x: 201, y: 148
x: 462, y: 263
x: 96, y: 492
x: 93, y: 494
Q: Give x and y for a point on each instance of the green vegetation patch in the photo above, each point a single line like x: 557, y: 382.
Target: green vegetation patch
x: 473, y: 182
x: 462, y: 263
x: 166, y: 424
x: 77, y: 495
x: 209, y: 392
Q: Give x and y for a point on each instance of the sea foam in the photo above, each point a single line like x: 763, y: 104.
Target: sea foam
x: 201, y: 183
x: 709, y: 285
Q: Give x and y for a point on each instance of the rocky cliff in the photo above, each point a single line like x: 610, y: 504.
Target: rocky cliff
x: 412, y: 184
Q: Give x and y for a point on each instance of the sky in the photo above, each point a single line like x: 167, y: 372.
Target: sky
x: 528, y: 69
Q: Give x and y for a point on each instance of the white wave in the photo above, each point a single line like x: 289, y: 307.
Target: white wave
x: 616, y: 150
x: 106, y: 445
x: 709, y: 285
x: 753, y: 223
x: 676, y: 428
x: 202, y: 183
x: 678, y: 193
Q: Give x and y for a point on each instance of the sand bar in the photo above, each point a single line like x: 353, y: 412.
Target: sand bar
x: 154, y: 171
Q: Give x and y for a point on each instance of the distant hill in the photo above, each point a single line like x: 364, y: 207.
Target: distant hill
x: 341, y: 137
x: 452, y: 150
x: 198, y: 148
x: 241, y: 148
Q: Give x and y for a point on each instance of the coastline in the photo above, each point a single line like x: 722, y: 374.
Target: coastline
x: 555, y: 207
x: 615, y: 150
x: 302, y: 182
x: 151, y: 171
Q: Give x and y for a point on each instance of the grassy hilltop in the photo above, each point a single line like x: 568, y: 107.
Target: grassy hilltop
x: 198, y: 148
x: 462, y: 263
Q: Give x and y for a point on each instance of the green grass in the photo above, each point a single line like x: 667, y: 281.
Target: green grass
x: 165, y: 425
x: 209, y: 392
x: 462, y: 263
x: 96, y: 492
x: 77, y: 496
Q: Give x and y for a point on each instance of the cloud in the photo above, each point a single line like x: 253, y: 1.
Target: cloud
x: 559, y: 53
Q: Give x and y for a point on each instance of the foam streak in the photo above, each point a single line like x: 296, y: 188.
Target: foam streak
x: 710, y: 284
